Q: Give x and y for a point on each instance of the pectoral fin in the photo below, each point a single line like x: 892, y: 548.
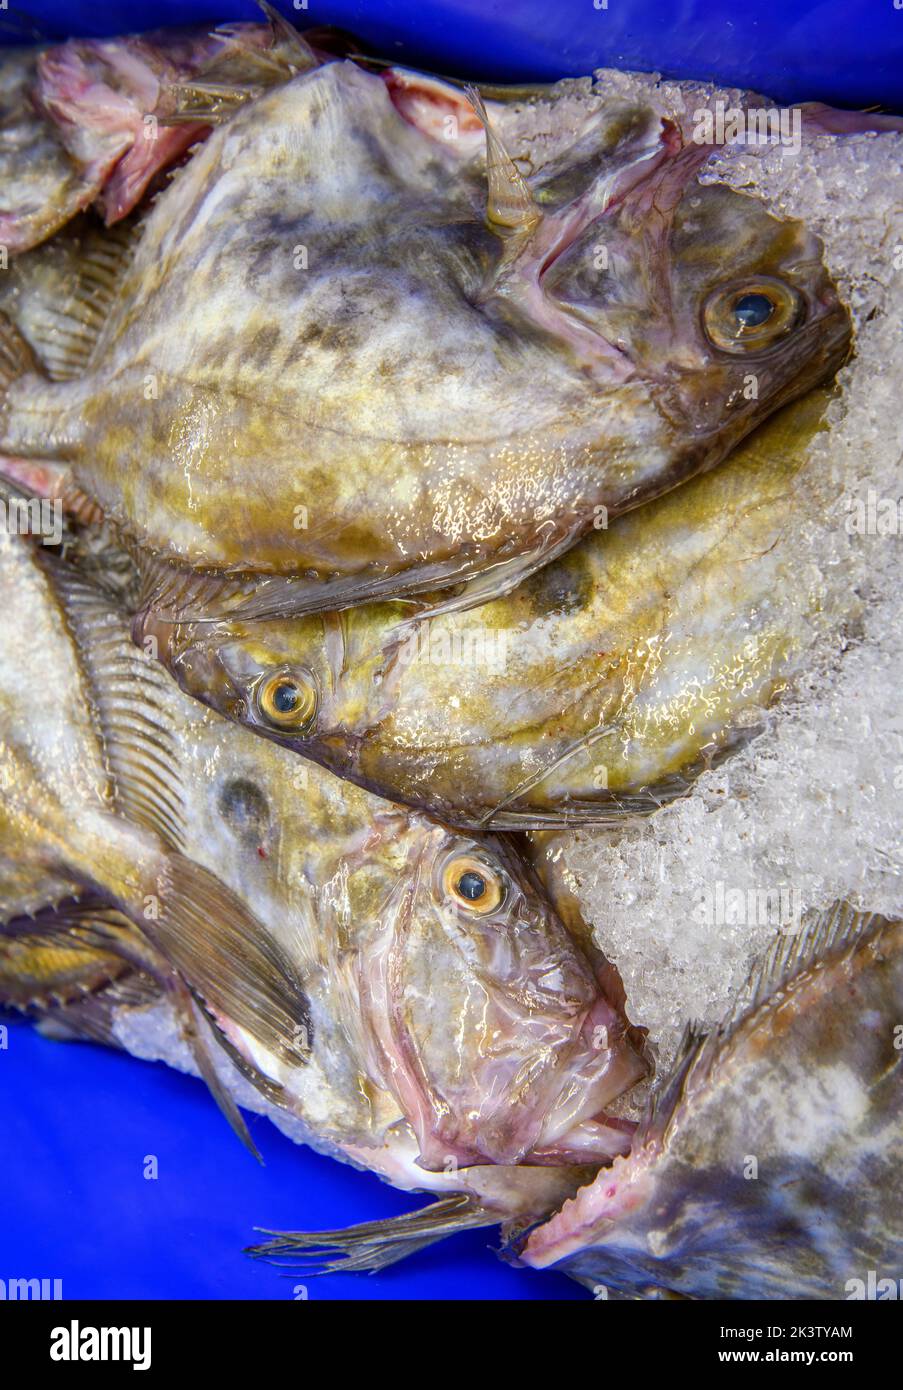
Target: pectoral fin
x: 374, y: 1245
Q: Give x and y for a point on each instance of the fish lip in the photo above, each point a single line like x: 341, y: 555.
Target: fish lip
x: 602, y: 1072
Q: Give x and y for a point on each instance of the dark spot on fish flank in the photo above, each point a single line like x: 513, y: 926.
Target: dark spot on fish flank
x: 564, y: 586
x: 376, y: 153
x: 310, y: 337
x: 273, y: 252
x: 262, y: 347
x: 245, y: 809
x: 217, y: 354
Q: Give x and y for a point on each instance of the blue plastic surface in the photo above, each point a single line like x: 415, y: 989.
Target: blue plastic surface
x: 78, y: 1121
x: 849, y: 52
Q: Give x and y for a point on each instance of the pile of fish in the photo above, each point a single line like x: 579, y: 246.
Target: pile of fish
x: 415, y: 456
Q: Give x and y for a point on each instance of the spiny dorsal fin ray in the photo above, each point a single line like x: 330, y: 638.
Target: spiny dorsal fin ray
x: 129, y: 694
x: 510, y: 206
x: 240, y: 72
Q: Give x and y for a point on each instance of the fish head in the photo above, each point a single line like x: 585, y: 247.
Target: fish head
x: 273, y: 676
x: 724, y: 309
x: 308, y: 683
x: 482, y: 1016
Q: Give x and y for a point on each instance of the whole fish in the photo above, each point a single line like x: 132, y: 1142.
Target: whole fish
x: 599, y: 686
x: 333, y: 917
x: 352, y: 358
x: 770, y: 1166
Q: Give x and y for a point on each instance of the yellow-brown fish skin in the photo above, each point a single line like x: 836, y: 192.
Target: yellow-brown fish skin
x: 602, y: 683
x: 326, y: 376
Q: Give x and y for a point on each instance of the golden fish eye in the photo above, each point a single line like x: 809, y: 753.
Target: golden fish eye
x: 751, y: 316
x: 287, y: 700
x: 471, y: 884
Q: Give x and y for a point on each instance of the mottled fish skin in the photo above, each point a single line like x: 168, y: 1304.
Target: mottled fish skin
x: 772, y: 1168
x: 513, y: 1061
x: 599, y: 686
x: 328, y: 377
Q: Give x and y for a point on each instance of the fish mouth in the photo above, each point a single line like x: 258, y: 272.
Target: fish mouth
x: 576, y: 1128
x: 572, y: 1127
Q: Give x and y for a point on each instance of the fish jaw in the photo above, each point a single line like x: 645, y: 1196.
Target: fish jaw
x: 586, y: 1218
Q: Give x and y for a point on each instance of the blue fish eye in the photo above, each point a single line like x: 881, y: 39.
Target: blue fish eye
x: 752, y: 310
x: 471, y: 886
x: 285, y: 697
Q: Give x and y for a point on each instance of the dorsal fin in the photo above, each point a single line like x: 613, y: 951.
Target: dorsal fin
x: 832, y: 935
x: 128, y: 692
x: 241, y: 71
x: 510, y: 206
x: 833, y: 932
x: 65, y: 335
x: 16, y: 357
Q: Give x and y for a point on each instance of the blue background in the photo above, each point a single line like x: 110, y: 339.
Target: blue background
x: 77, y: 1120
x: 849, y: 52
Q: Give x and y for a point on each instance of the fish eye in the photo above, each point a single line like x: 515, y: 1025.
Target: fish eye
x: 469, y: 883
x: 752, y: 316
x: 287, y: 700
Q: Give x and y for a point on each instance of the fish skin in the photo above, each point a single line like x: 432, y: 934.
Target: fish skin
x: 804, y: 1078
x: 351, y: 890
x: 88, y: 810
x: 646, y: 651
x: 454, y: 420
